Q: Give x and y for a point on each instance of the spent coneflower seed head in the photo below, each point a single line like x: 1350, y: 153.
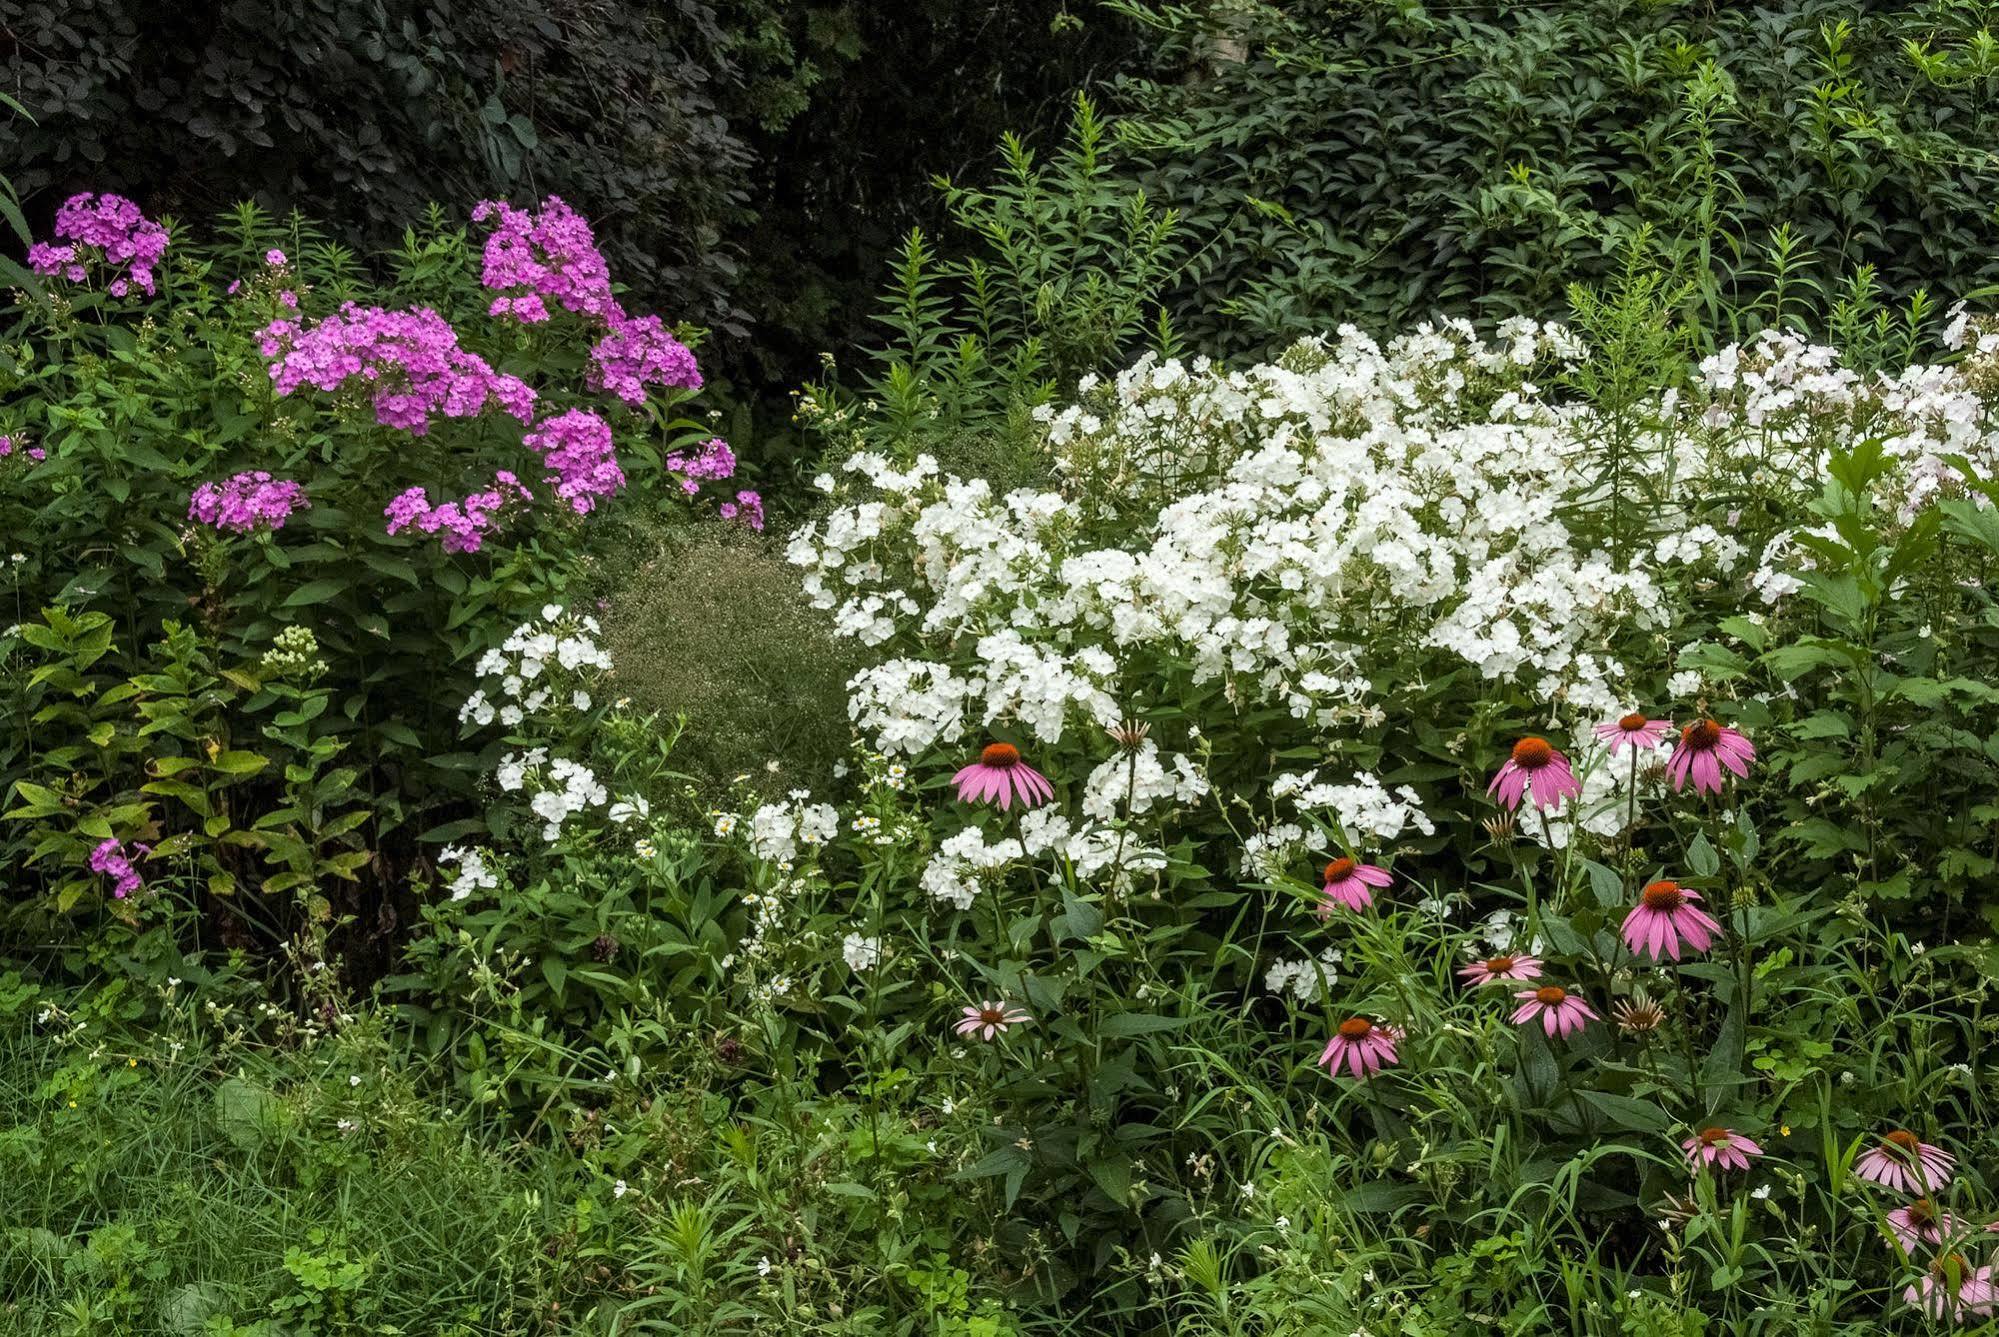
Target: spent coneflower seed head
x: 1638, y: 1015
x: 1128, y: 734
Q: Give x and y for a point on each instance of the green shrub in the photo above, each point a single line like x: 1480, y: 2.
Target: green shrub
x: 263, y: 690
x: 710, y: 629
x: 1378, y: 163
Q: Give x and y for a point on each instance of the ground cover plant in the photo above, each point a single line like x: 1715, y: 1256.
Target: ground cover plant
x: 1432, y: 828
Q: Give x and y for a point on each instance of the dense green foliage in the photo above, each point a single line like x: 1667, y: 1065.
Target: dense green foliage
x: 1379, y: 162
x: 747, y: 163
x: 155, y: 691
x: 579, y: 919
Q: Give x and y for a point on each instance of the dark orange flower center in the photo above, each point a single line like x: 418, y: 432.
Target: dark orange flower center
x: 1713, y: 1137
x: 1532, y: 753
x: 1701, y: 735
x: 1551, y: 995
x: 1499, y: 965
x: 1339, y: 869
x: 1948, y: 1265
x: 1001, y: 755
x: 992, y: 1016
x: 1355, y: 1028
x: 1633, y: 723
x: 1663, y: 896
x: 1922, y: 1212
x: 1905, y: 1142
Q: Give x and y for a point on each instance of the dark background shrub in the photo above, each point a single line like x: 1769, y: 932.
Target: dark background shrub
x: 748, y: 164
x: 1375, y: 163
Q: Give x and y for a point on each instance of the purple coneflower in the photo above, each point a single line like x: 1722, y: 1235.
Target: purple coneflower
x: 1560, y: 1011
x: 1633, y: 731
x: 1954, y: 1290
x: 1704, y: 748
x: 1906, y: 1163
x: 1537, y: 770
x: 1664, y: 918
x: 989, y: 1019
x: 1360, y: 1046
x: 999, y: 774
x: 1347, y: 882
x: 1921, y: 1222
x: 1721, y: 1147
x: 1502, y: 968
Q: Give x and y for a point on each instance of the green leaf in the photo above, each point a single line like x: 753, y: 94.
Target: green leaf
x: 240, y: 763
x: 1139, y: 1023
x: 1701, y: 857
x: 1626, y: 1113
x: 314, y: 592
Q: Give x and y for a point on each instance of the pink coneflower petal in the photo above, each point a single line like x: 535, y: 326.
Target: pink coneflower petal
x: 988, y: 1019
x: 1361, y: 1047
x: 1954, y: 1291
x: 1502, y: 969
x: 1347, y: 883
x: 1921, y: 1222
x: 999, y: 775
x: 1560, y: 1012
x: 1664, y: 919
x: 1704, y: 748
x: 1721, y: 1147
x: 1534, y: 768
x: 1907, y: 1164
x: 1633, y: 731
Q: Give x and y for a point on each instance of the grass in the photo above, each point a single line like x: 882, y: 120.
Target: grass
x: 151, y: 1193
x: 712, y: 627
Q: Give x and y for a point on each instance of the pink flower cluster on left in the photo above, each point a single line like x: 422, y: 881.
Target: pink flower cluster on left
x: 110, y: 226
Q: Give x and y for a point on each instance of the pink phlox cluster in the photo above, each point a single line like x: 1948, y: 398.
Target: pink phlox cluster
x: 532, y: 257
x: 410, y: 360
x: 715, y: 462
x: 248, y: 501
x: 581, y: 458
x: 748, y: 507
x: 111, y: 860
x: 463, y: 525
x: 130, y: 243
x: 8, y: 445
x: 639, y: 352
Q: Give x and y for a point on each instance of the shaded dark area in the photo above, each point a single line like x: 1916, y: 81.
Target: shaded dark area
x: 748, y: 164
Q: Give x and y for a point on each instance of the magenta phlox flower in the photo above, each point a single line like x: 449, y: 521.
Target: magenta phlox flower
x: 637, y: 352
x: 246, y: 502
x: 533, y: 258
x: 110, y: 860
x: 123, y: 239
x: 462, y: 526
x: 407, y: 362
x: 581, y: 458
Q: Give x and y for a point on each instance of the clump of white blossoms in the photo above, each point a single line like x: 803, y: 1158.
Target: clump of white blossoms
x: 1305, y: 979
x: 775, y: 832
x: 557, y: 788
x: 1273, y: 528
x: 548, y: 666
x: 860, y: 952
x: 1294, y: 530
x: 473, y: 872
